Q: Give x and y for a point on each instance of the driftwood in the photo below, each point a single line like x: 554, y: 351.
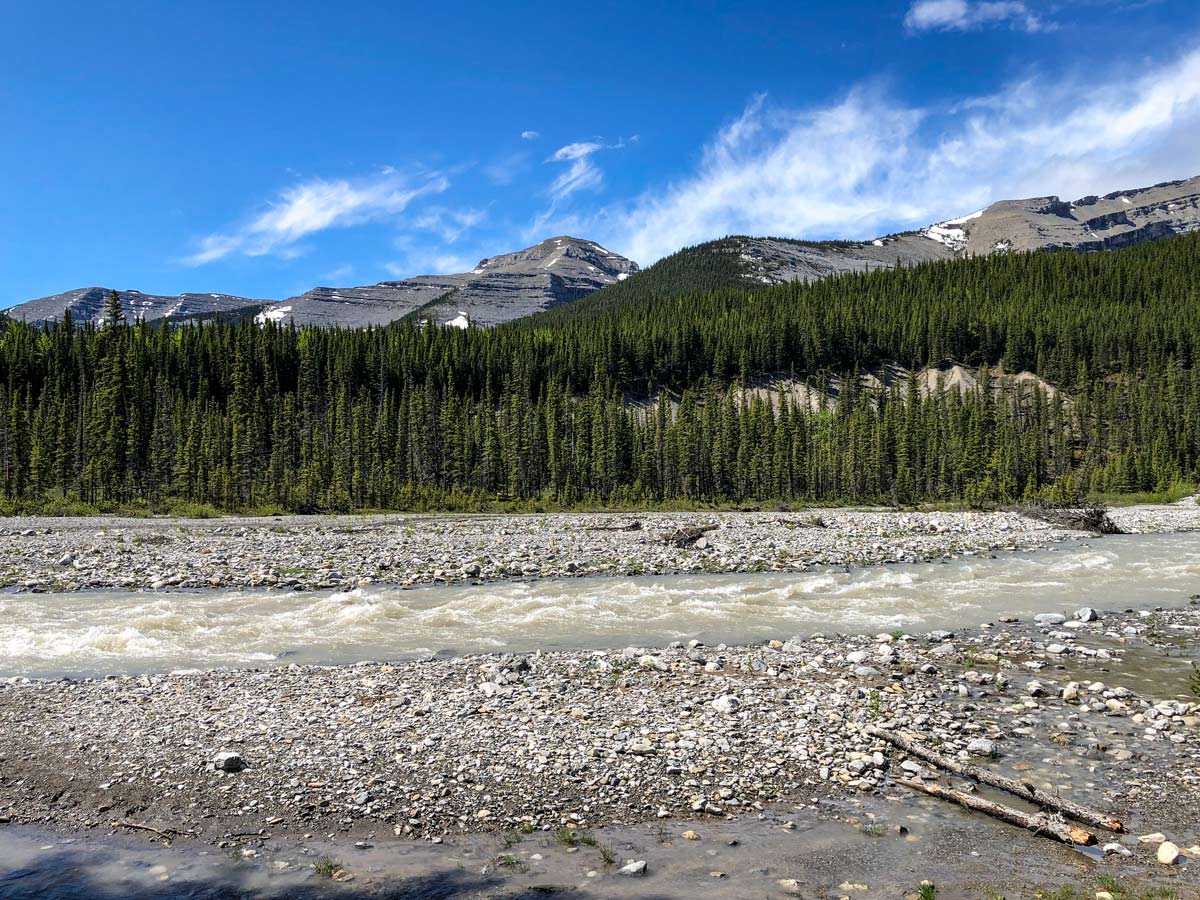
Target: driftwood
x: 632, y: 526
x: 1093, y: 519
x: 1039, y: 823
x: 1021, y: 789
x: 685, y: 536
x: 167, y: 835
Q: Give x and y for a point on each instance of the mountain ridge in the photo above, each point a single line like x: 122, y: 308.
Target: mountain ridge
x: 561, y: 270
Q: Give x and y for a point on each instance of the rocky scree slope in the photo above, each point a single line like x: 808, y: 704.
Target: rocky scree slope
x: 1088, y: 224
x: 498, y: 289
x: 87, y: 305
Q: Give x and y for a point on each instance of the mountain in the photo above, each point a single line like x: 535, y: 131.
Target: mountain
x: 87, y: 305
x: 558, y: 271
x: 500, y: 288
x: 1088, y: 224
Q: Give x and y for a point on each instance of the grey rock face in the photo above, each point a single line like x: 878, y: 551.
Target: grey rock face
x: 1089, y: 224
x: 87, y: 305
x: 498, y: 289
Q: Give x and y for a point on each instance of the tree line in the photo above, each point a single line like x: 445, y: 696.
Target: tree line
x: 638, y: 399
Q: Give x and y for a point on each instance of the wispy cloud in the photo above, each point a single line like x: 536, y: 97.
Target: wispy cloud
x: 580, y: 174
x: 530, y: 135
x: 504, y: 169
x: 869, y: 163
x: 450, y: 224
x: 313, y: 206
x: 965, y: 15
x: 429, y: 261
x: 340, y: 273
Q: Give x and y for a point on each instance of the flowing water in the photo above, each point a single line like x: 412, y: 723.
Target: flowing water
x: 104, y: 632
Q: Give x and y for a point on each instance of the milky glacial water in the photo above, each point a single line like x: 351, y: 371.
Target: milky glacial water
x: 105, y: 632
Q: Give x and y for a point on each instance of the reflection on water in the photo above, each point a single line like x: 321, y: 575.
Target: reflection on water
x: 121, y: 632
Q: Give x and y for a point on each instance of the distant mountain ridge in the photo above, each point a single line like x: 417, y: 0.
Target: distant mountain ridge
x: 500, y: 288
x: 561, y: 270
x: 87, y: 305
x: 1089, y: 224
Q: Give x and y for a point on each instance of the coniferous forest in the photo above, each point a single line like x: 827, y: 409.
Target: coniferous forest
x: 638, y: 394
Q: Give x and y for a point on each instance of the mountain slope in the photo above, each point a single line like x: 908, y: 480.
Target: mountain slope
x: 1090, y: 224
x: 499, y: 289
x: 556, y: 271
x: 87, y: 305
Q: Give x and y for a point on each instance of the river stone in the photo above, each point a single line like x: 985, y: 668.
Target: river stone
x: 1168, y: 853
x: 1049, y: 618
x: 726, y: 704
x: 633, y: 867
x: 981, y: 747
x: 856, y: 657
x: 654, y: 662
x: 1086, y: 614
x: 228, y: 761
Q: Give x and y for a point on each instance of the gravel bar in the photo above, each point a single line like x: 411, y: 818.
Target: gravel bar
x: 322, y: 552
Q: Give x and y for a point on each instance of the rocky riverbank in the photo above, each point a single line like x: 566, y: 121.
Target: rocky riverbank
x: 309, y: 553
x: 1093, y: 706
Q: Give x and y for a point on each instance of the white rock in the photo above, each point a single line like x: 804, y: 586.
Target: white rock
x: 654, y: 662
x: 1168, y: 853
x: 981, y: 747
x: 726, y: 704
x: 633, y: 867
x: 1049, y: 618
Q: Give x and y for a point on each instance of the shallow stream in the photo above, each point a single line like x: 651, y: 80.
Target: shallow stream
x: 120, y: 632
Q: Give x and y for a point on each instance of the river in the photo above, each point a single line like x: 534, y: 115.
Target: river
x: 117, y: 632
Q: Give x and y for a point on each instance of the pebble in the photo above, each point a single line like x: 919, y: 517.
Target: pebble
x: 228, y: 761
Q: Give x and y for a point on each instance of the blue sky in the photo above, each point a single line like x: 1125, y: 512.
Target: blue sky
x: 260, y: 149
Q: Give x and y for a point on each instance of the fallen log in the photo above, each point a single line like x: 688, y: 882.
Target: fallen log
x: 1038, y: 823
x: 1021, y: 789
x: 1093, y: 519
x: 686, y: 536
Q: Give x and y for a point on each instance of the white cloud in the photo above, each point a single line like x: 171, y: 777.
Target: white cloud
x: 315, y: 206
x: 964, y: 15
x: 582, y: 172
x: 530, y: 135
x: 869, y: 164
